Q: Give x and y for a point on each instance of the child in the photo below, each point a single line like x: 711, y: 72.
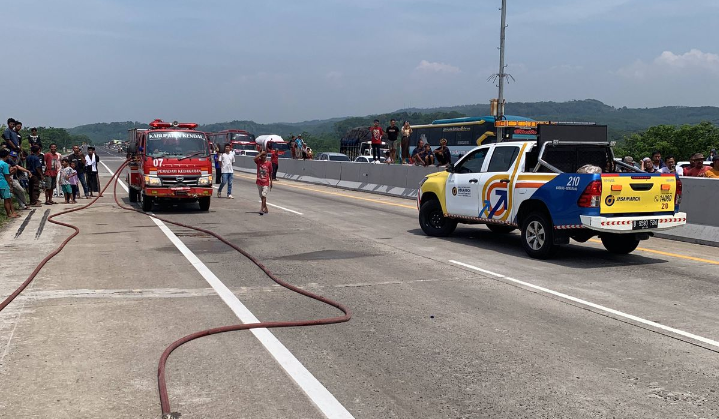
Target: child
x: 65, y: 174
x: 264, y: 179
x: 73, y: 183
x: 5, y: 182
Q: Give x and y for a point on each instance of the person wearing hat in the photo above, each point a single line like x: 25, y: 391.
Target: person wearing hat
x: 442, y: 156
x: 713, y: 171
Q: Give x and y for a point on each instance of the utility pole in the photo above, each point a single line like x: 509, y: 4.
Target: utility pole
x: 500, y: 77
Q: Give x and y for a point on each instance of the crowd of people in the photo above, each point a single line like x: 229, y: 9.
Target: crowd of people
x: 299, y: 149
x: 25, y: 173
x: 422, y: 155
x: 699, y: 166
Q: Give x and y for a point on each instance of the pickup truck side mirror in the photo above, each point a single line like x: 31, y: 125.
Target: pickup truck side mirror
x: 450, y: 168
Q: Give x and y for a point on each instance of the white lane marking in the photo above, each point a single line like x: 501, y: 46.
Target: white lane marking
x: 283, y: 208
x: 118, y: 179
x: 320, y: 396
x: 595, y: 306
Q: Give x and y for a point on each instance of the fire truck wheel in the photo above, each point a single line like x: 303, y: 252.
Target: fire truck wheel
x: 146, y: 203
x: 205, y: 203
x: 133, y: 195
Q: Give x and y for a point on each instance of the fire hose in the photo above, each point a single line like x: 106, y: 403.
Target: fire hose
x: 161, y: 380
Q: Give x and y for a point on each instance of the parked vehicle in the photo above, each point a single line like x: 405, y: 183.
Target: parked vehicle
x: 367, y: 159
x: 564, y: 185
x: 332, y: 157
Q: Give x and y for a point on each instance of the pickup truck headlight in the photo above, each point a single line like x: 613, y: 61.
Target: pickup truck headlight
x: 152, y: 181
x: 205, y: 180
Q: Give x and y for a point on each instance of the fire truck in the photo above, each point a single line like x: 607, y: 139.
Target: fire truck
x: 169, y: 162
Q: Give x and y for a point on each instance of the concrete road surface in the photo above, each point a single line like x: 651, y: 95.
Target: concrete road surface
x: 460, y: 327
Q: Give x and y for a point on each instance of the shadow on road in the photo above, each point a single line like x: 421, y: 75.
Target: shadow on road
x: 573, y: 255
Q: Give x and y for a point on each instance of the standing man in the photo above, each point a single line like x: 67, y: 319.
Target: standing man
x: 5, y: 181
x: 392, y: 135
x: 264, y: 179
x: 697, y: 168
x: 12, y: 141
x: 18, y: 136
x: 93, y: 176
x: 712, y: 154
x: 52, y: 167
x: 299, y: 143
x: 34, y: 165
x: 376, y: 134
x: 274, y: 159
x: 34, y: 139
x: 670, y: 165
x: 226, y: 160
x: 713, y: 171
x: 657, y: 160
x: 293, y: 147
x: 79, y: 159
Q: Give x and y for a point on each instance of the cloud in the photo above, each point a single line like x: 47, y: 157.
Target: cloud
x: 436, y: 68
x: 668, y: 63
x: 692, y: 59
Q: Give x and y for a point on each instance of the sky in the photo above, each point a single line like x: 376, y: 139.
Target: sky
x: 84, y: 61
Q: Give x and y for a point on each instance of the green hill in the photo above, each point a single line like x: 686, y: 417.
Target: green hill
x: 621, y: 121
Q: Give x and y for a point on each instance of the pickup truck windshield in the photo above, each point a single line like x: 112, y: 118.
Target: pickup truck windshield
x: 176, y: 144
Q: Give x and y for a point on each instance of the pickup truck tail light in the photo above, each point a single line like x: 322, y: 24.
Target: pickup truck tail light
x: 592, y: 195
x: 678, y: 194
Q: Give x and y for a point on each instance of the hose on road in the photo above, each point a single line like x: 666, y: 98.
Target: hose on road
x: 161, y: 380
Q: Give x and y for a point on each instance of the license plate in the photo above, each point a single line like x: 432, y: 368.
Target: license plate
x: 644, y: 224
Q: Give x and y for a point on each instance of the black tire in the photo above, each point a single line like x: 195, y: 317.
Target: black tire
x: 620, y: 244
x: 538, y: 236
x: 133, y: 194
x: 500, y: 229
x: 204, y: 203
x: 146, y: 203
x: 433, y: 221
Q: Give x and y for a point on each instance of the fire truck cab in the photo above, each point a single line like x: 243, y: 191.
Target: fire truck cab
x: 169, y: 161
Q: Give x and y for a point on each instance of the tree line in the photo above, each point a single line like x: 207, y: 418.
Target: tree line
x: 677, y: 141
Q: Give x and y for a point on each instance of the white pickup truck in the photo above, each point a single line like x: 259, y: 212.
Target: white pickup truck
x: 535, y: 186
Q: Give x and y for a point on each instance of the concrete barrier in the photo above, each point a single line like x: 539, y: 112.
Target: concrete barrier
x: 700, y: 196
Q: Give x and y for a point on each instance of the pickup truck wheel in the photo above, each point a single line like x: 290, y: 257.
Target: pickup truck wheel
x: 538, y: 236
x: 433, y: 221
x: 133, y: 194
x: 146, y: 203
x: 620, y: 244
x: 500, y: 229
x: 205, y: 203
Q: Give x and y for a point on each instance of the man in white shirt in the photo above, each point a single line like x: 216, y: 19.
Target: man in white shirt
x: 226, y: 160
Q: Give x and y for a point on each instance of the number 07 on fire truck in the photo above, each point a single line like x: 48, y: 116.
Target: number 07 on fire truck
x: 169, y: 162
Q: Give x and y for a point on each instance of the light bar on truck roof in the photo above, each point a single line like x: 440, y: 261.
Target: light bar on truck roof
x: 159, y: 123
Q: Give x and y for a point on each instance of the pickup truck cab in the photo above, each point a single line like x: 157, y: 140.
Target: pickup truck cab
x: 564, y: 185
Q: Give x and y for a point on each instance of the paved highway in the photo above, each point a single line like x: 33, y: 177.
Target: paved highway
x: 462, y: 327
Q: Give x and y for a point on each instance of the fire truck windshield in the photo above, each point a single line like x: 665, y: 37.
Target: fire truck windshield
x: 180, y: 144
x: 246, y: 146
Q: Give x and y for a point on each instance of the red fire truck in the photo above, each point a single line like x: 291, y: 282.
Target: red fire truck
x: 169, y: 161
